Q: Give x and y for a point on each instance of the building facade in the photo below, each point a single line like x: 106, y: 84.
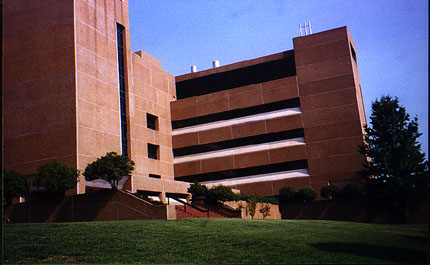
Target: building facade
x: 289, y: 119
x: 73, y: 91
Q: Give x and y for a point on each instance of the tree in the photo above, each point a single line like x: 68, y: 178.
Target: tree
x: 329, y: 191
x: 287, y: 194
x: 111, y: 167
x: 305, y: 194
x: 197, y: 190
x: 251, y: 207
x: 57, y: 177
x: 396, y: 169
x: 14, y: 185
x: 220, y: 193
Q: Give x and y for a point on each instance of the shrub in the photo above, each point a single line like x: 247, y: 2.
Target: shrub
x: 14, y: 185
x: 225, y: 193
x: 57, y: 177
x: 197, y: 190
x: 287, y: 194
x: 353, y: 189
x: 251, y: 207
x: 265, y: 210
x: 261, y: 199
x: 221, y: 193
x: 329, y: 191
x: 306, y: 194
x: 271, y: 200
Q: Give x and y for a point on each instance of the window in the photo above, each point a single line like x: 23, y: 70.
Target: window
x: 122, y: 99
x: 153, y: 151
x: 354, y: 56
x: 151, y: 121
x: 154, y: 176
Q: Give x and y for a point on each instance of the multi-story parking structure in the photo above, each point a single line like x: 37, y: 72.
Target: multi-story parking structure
x: 289, y: 119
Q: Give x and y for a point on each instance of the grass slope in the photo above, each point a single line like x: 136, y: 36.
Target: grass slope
x: 214, y: 241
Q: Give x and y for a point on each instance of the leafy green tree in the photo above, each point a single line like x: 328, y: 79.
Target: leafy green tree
x: 197, y: 190
x: 287, y: 194
x: 221, y: 193
x: 396, y: 169
x: 110, y: 167
x: 14, y: 185
x: 306, y: 194
x: 57, y: 177
x: 329, y: 191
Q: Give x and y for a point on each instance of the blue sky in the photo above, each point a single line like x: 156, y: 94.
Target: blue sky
x: 391, y: 39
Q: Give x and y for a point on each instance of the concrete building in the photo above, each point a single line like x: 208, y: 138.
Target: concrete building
x: 73, y: 91
x: 289, y: 119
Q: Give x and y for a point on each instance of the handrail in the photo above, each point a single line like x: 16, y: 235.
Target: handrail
x: 131, y: 194
x: 228, y: 207
x: 134, y: 209
x: 187, y: 204
x: 221, y: 208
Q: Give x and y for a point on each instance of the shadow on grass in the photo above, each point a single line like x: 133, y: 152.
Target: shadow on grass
x: 389, y: 254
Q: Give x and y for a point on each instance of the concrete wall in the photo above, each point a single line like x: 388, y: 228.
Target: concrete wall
x: 331, y: 102
x: 105, y: 205
x: 38, y: 88
x: 61, y: 91
x: 274, y: 210
x: 97, y: 78
x: 152, y: 91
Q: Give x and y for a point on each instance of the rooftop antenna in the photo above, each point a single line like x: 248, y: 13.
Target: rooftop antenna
x: 305, y: 27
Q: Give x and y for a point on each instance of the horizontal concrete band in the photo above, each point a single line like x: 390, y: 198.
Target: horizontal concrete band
x: 241, y: 150
x: 298, y: 173
x: 241, y: 120
x: 219, y: 172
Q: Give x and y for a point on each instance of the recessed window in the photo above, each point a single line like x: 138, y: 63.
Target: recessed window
x: 151, y: 121
x: 153, y: 151
x: 122, y: 91
x: 354, y: 56
x: 154, y: 176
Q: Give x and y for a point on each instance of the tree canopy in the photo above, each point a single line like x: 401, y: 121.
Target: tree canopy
x: 396, y: 168
x: 110, y: 167
x: 57, y: 177
x: 14, y: 185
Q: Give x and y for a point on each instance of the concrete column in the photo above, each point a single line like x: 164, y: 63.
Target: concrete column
x: 162, y: 197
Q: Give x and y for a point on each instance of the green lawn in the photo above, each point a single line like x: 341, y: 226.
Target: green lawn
x: 214, y: 241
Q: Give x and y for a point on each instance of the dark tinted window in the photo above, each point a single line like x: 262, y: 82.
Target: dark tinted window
x: 231, y: 114
x: 250, y: 140
x: 153, y: 151
x: 151, y: 121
